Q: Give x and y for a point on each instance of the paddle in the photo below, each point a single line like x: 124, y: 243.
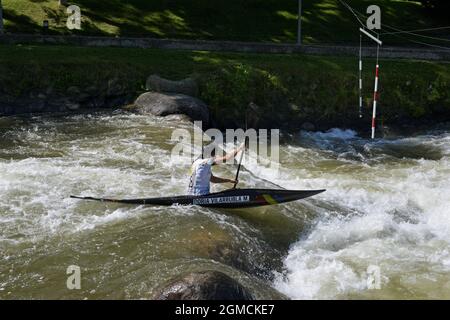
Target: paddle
x: 240, y: 162
x: 243, y: 151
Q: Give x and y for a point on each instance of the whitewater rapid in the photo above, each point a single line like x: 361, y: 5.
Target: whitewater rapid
x: 387, y: 207
x: 394, y: 214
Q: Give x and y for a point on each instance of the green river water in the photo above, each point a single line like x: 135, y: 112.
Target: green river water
x: 387, y: 205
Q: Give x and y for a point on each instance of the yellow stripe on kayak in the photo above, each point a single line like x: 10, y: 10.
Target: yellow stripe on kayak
x: 269, y: 199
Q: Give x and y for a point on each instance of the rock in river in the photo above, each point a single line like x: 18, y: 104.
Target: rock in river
x: 163, y: 104
x: 205, y: 285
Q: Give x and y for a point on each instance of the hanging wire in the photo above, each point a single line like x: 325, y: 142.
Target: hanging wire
x: 358, y: 14
x: 399, y: 31
x: 423, y: 43
x: 424, y: 36
x: 416, y: 30
x: 415, y: 41
x: 345, y: 4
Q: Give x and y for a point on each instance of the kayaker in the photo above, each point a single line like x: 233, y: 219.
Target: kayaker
x: 201, y: 174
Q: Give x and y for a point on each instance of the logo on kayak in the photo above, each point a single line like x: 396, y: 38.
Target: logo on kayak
x: 233, y: 199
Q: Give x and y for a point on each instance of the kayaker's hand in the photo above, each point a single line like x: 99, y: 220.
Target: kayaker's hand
x: 234, y: 181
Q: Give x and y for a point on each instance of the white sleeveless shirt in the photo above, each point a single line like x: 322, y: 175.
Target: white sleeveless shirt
x: 200, y: 177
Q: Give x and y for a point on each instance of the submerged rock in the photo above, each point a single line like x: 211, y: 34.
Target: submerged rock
x: 219, y: 245
x: 204, y: 285
x: 160, y: 104
x: 187, y: 86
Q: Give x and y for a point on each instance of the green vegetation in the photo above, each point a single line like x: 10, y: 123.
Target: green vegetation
x: 288, y: 88
x: 324, y: 21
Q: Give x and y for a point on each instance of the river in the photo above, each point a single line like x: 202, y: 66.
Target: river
x: 387, y: 206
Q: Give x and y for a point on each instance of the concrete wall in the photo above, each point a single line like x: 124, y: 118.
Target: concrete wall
x: 227, y: 46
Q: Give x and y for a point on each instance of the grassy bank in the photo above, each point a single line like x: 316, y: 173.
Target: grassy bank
x: 289, y: 89
x: 246, y: 20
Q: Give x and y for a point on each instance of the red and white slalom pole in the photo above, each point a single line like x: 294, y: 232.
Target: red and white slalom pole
x: 375, y: 91
x: 375, y: 98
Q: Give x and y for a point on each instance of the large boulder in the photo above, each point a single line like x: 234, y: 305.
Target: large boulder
x: 205, y: 285
x: 160, y: 104
x: 187, y: 86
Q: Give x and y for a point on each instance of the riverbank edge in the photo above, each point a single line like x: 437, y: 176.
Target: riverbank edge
x: 285, y: 90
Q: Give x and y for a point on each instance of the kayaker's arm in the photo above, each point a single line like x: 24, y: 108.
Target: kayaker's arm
x: 215, y: 179
x: 228, y: 156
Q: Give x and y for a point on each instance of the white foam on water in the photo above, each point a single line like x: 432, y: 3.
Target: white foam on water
x: 34, y: 197
x: 402, y: 225
x: 389, y: 210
